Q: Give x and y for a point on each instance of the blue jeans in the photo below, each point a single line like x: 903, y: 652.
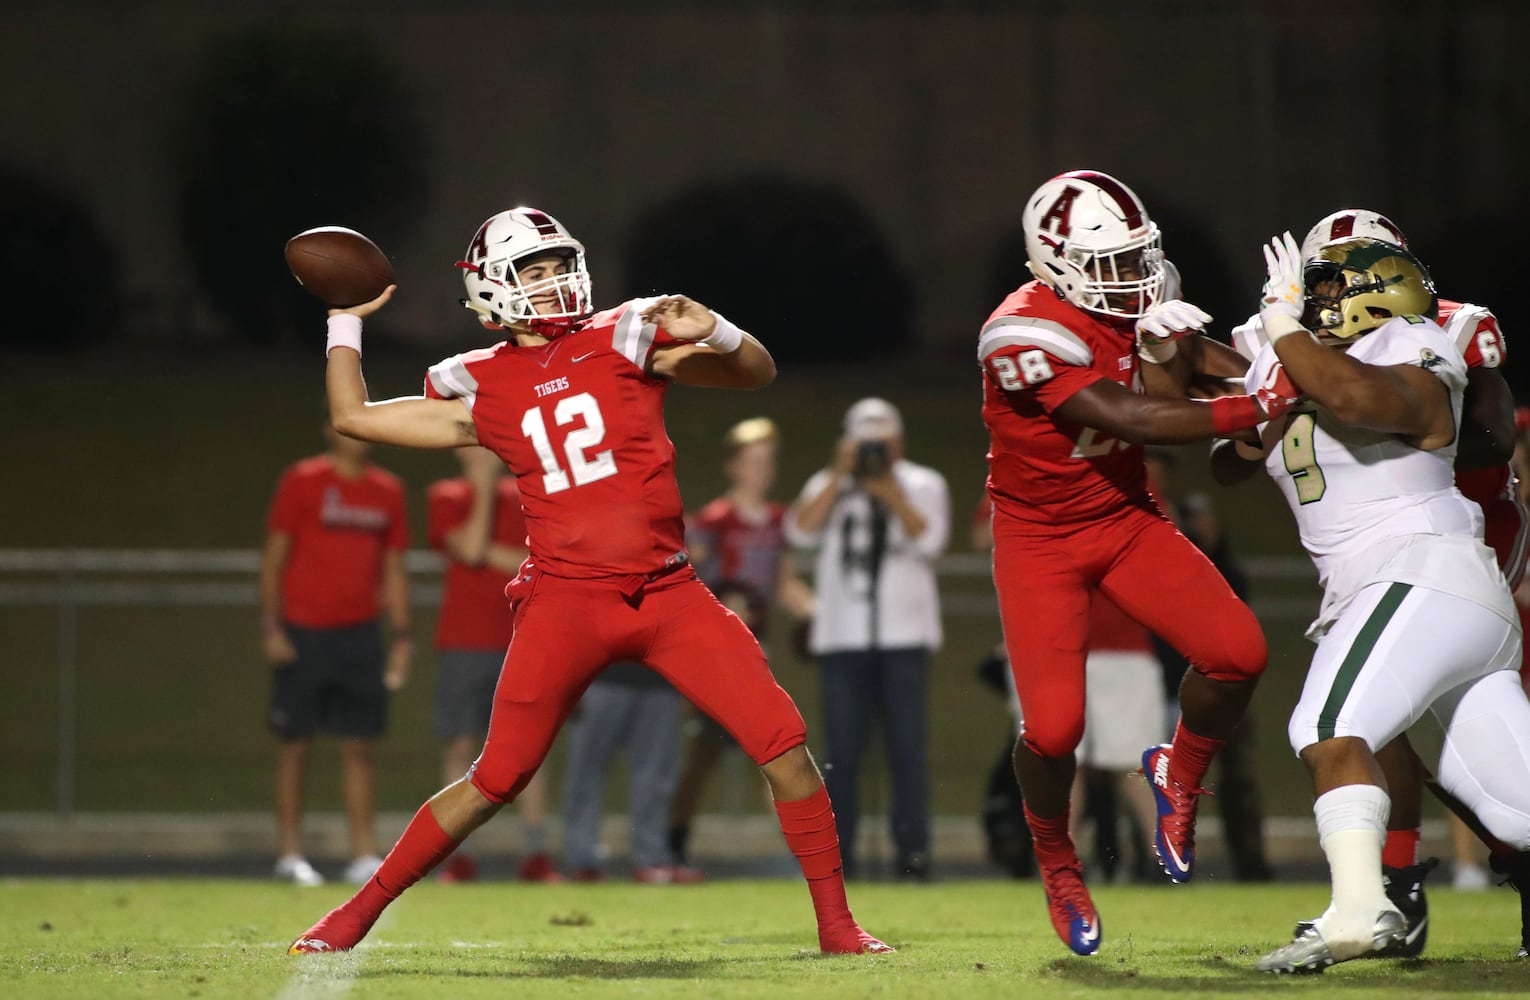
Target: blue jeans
x: 645, y: 723
x: 892, y: 684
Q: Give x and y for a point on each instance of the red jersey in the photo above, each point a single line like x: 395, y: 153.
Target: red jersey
x: 474, y: 613
x: 1475, y: 331
x: 1037, y: 350
x: 581, y: 424
x: 740, y: 548
x: 339, y: 529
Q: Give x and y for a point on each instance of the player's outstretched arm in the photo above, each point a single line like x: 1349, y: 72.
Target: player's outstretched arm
x: 1121, y: 413
x: 716, y: 353
x: 1487, y: 420
x: 409, y: 421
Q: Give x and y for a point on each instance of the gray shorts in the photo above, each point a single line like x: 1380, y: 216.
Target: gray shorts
x: 465, y: 680
x: 334, y: 685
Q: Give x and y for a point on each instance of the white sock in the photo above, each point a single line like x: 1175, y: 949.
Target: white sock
x: 1352, y: 826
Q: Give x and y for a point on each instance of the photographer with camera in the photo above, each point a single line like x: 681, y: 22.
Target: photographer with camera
x: 878, y: 523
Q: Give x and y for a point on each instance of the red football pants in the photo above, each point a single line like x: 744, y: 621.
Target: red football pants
x: 567, y: 631
x: 1044, y: 577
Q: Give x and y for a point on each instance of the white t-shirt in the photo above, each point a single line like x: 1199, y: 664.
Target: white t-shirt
x: 907, y: 612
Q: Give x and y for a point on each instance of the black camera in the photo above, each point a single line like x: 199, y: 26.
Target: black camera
x: 871, y: 459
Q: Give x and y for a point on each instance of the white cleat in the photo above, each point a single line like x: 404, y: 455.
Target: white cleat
x: 1309, y: 953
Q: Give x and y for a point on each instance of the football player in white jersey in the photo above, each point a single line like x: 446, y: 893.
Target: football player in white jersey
x: 1416, y: 614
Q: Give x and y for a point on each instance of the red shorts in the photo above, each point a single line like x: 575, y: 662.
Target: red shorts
x: 1137, y: 558
x: 567, y: 631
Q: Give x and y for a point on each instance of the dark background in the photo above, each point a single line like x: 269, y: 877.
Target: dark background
x: 843, y: 179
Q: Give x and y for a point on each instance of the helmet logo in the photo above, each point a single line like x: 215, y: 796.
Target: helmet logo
x: 1056, y: 217
x: 479, y: 248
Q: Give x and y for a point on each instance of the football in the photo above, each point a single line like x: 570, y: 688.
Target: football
x: 339, y: 266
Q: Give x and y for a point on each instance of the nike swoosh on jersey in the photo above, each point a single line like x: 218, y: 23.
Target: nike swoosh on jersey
x: 581, y: 357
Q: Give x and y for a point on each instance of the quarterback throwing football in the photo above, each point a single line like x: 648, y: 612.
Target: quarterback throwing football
x: 572, y: 402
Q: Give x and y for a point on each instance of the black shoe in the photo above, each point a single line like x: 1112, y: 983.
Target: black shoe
x: 1405, y: 888
x: 1516, y: 871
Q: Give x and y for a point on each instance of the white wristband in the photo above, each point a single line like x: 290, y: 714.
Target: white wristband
x: 1158, y: 354
x: 726, y: 338
x: 344, y: 331
x: 1278, y: 326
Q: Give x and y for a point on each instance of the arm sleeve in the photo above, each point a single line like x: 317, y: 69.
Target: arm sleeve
x: 1027, y: 354
x: 636, y: 340
x: 1475, y: 332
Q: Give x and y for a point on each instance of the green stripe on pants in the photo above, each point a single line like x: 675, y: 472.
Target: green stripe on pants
x: 1365, y: 642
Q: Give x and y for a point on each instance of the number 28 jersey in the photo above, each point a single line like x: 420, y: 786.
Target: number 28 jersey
x: 1036, y: 351
x: 581, y: 424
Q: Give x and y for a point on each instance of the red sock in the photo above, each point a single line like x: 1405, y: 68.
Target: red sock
x: 808, y: 825
x: 1050, y: 835
x: 423, y: 846
x: 1192, y: 756
x: 1401, y: 848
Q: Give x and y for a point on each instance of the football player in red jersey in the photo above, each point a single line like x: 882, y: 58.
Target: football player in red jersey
x: 572, y: 402
x: 1485, y: 474
x: 1067, y: 421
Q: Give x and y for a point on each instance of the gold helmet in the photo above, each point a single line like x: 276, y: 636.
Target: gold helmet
x: 1356, y: 285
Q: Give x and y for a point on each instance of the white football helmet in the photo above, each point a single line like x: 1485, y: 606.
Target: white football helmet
x: 503, y: 245
x: 1088, y: 236
x: 1350, y: 224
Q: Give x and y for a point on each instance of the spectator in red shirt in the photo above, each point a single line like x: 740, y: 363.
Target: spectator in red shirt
x: 476, y: 522
x: 737, y: 543
x: 334, y: 552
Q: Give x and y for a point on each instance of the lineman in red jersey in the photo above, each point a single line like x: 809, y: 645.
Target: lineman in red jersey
x: 1485, y: 474
x: 572, y: 403
x: 1072, y: 513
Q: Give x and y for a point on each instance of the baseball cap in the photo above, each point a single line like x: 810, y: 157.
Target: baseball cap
x: 873, y: 418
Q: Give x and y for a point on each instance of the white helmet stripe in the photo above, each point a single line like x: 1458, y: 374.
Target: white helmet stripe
x: 1029, y: 331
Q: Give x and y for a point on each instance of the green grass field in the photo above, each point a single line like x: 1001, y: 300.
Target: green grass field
x: 194, y: 938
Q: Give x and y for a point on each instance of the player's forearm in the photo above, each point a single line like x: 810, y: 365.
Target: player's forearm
x: 505, y: 558
x: 1353, y: 392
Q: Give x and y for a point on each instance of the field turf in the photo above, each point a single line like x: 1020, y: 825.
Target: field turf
x: 208, y: 938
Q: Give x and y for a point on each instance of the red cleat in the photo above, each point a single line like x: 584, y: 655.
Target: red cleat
x: 460, y: 868
x: 538, y: 868
x: 851, y: 941
x: 1072, y: 911
x: 340, y: 930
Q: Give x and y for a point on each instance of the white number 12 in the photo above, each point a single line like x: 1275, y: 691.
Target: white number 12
x: 584, y: 469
